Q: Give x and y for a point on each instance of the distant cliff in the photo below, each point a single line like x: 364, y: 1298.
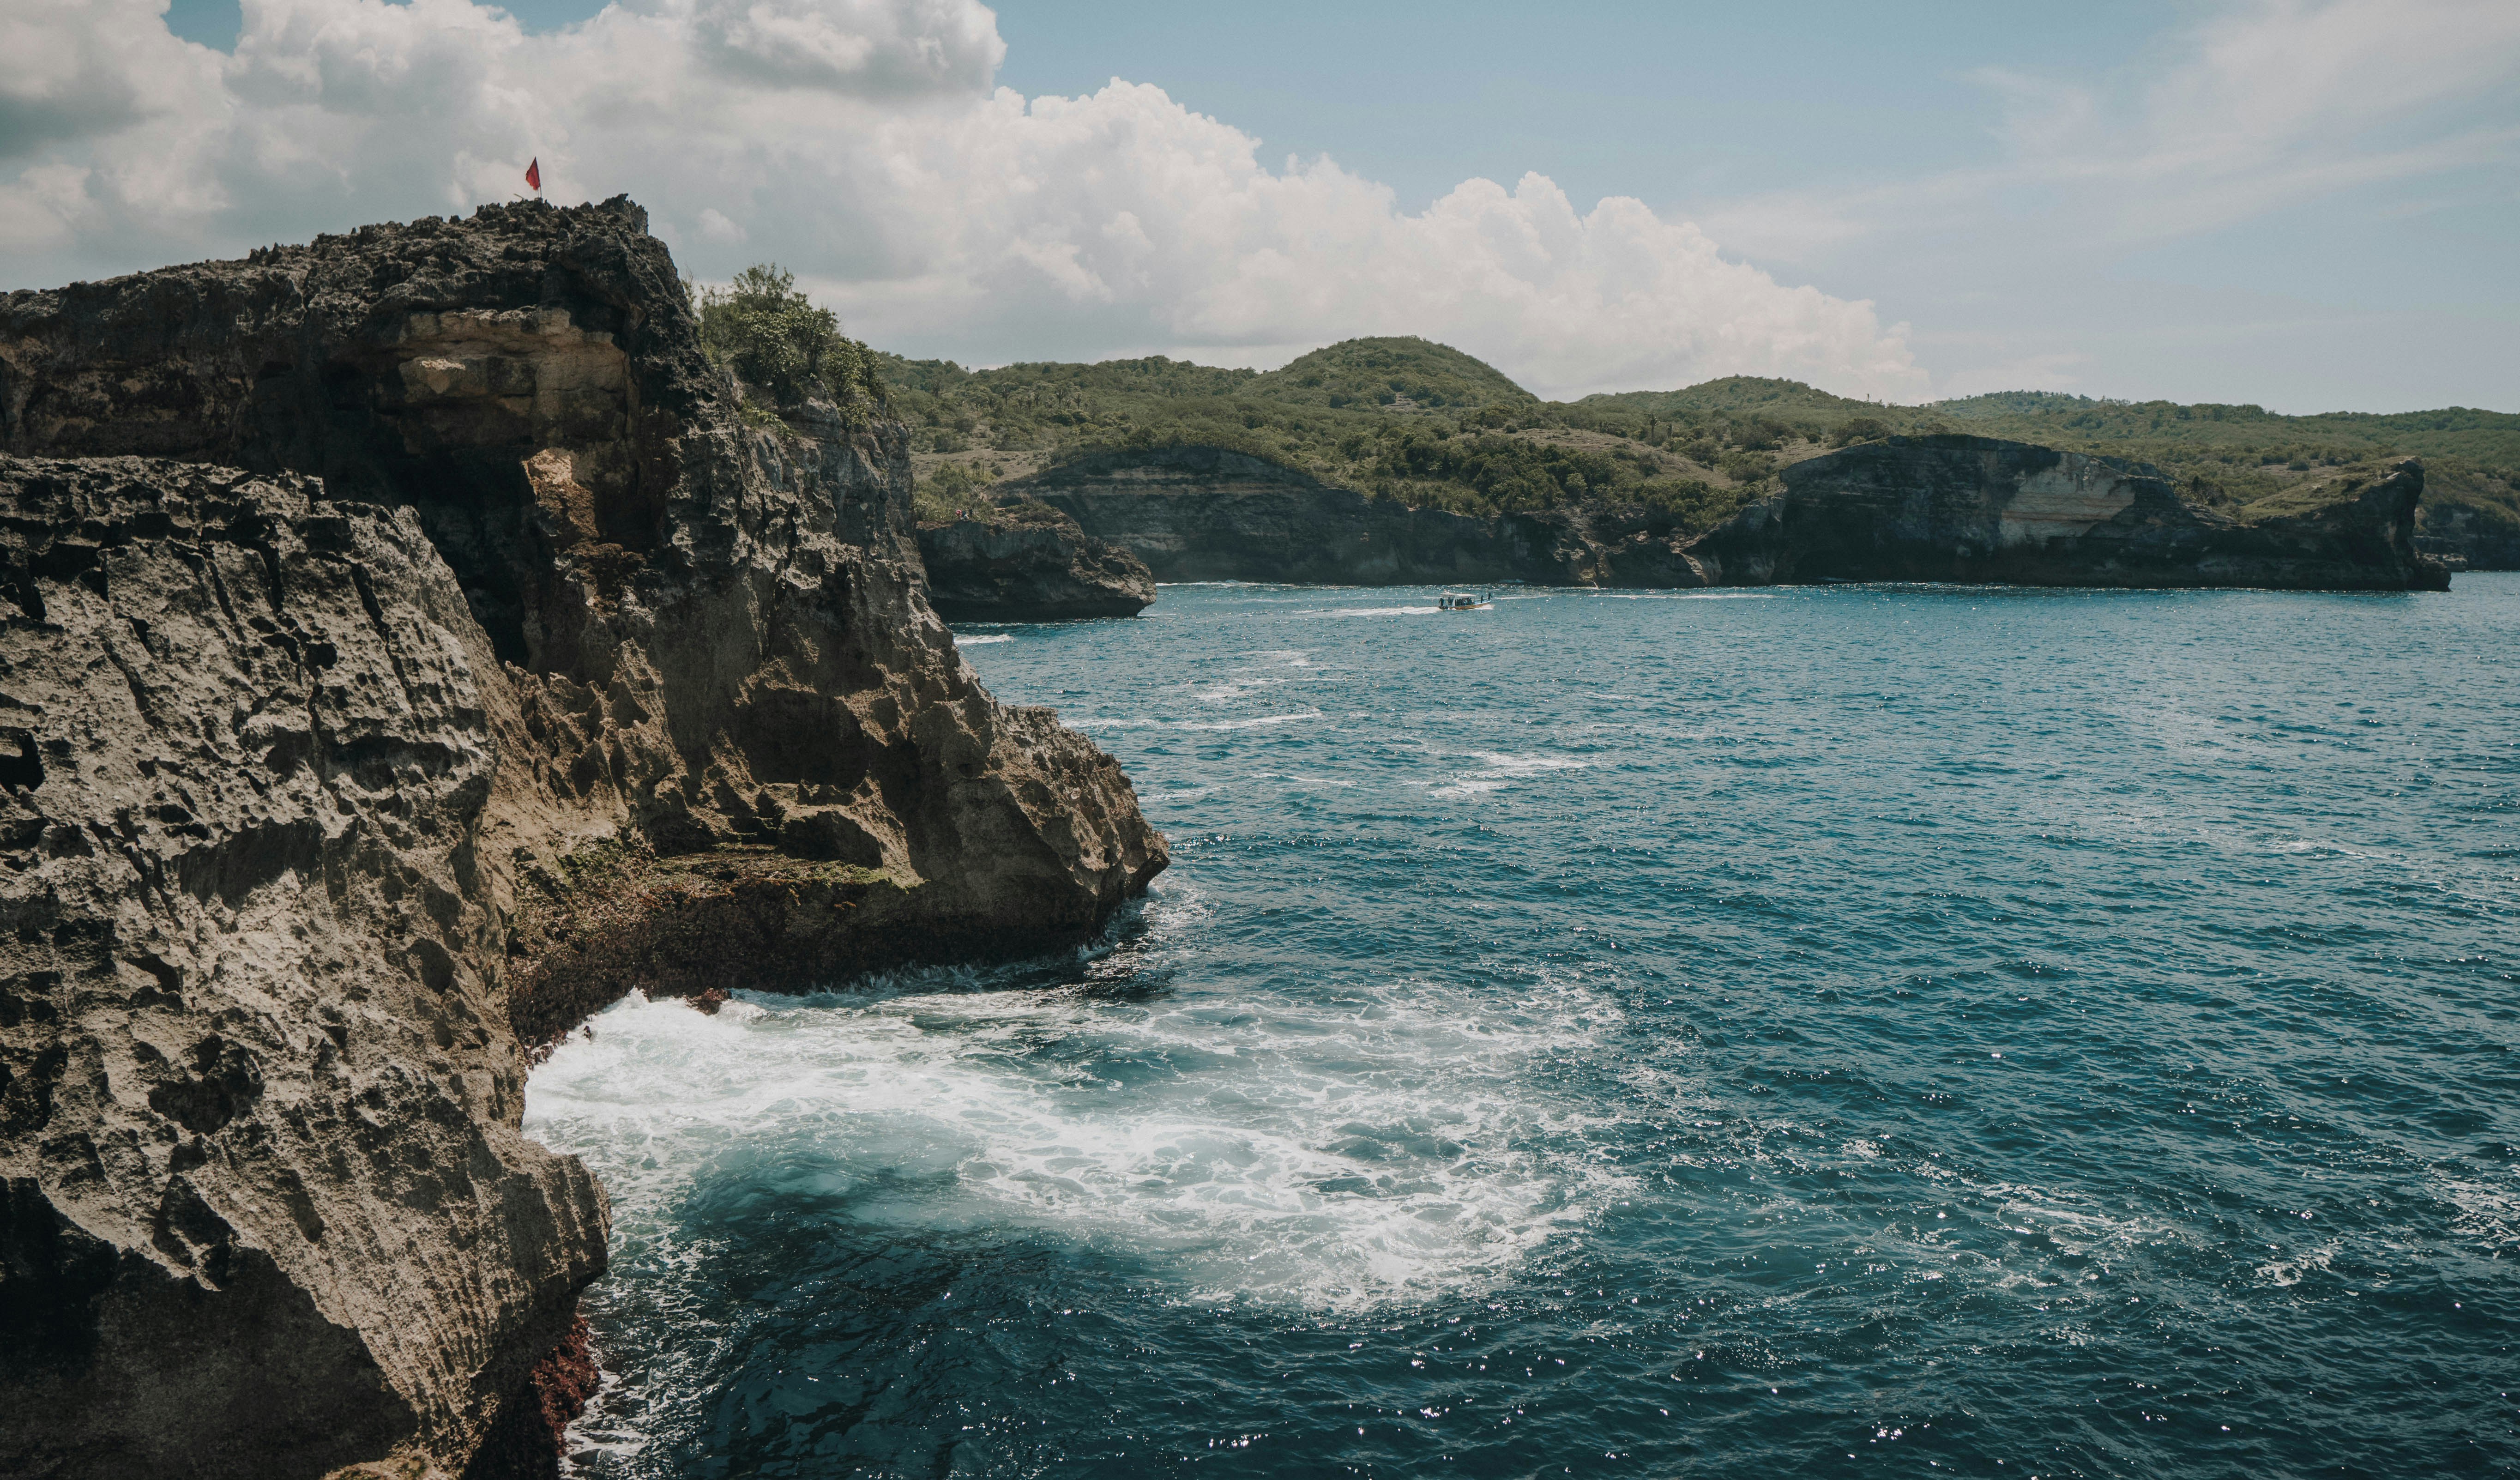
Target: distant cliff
x: 2468, y: 537
x: 1204, y: 514
x: 1905, y: 508
x: 1029, y: 564
x: 456, y: 659
x: 1977, y: 510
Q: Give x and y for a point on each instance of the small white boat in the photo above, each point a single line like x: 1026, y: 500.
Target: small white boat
x: 1462, y: 600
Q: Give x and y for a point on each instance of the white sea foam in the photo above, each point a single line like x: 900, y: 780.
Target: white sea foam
x: 1255, y: 722
x: 1091, y: 724
x: 1327, y: 1154
x: 978, y: 641
x: 1501, y: 770
x: 2285, y: 1273
x: 2488, y: 1213
x: 1228, y: 691
x: 1684, y: 596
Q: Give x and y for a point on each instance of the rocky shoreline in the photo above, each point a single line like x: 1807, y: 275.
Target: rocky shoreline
x: 413, y: 648
x: 1903, y: 509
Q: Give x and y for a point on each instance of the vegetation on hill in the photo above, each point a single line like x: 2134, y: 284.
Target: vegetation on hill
x: 2249, y: 456
x: 1396, y: 418
x: 2241, y: 456
x: 1422, y: 422
x: 775, y: 341
x: 1402, y: 374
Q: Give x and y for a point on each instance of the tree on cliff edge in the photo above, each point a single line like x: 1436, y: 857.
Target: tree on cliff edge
x: 773, y: 338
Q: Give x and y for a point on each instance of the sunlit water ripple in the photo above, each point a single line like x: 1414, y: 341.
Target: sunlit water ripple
x: 1831, y: 1031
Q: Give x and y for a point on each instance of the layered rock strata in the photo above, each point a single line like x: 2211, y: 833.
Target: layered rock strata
x: 468, y: 604
x: 1029, y: 562
x: 1921, y: 508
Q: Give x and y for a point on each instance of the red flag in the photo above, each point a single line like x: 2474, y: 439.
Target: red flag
x: 534, y: 172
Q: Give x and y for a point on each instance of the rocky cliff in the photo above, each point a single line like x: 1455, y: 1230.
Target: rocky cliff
x: 1206, y: 513
x: 1028, y: 562
x: 471, y: 662
x: 1920, y: 509
x: 1977, y: 510
x: 2468, y: 538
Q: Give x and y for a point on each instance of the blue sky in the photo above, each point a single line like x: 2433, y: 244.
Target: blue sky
x: 1950, y: 164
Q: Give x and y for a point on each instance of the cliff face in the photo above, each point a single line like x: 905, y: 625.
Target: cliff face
x: 1924, y: 509
x: 267, y: 1208
x: 2465, y: 539
x: 1204, y: 513
x: 1030, y: 563
x: 306, y: 773
x: 1976, y: 510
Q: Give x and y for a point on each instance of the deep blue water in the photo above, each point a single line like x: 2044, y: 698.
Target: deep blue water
x: 1841, y: 1031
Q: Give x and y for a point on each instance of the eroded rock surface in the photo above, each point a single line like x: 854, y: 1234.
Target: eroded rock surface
x: 1920, y: 509
x: 267, y: 1209
x: 1029, y: 564
x: 290, y: 876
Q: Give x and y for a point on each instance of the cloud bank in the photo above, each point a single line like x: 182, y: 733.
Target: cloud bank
x: 862, y: 143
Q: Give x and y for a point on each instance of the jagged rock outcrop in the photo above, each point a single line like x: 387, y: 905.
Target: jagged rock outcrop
x: 1029, y: 562
x: 267, y: 1204
x: 1908, y: 509
x: 305, y: 775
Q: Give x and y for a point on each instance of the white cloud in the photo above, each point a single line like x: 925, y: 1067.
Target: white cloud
x: 859, y: 142
x: 2268, y: 104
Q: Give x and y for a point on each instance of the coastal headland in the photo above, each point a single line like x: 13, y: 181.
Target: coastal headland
x: 415, y: 642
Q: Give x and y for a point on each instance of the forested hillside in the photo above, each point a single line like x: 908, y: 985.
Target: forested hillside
x: 1425, y: 424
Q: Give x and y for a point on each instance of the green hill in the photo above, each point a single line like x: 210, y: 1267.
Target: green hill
x: 2458, y: 431
x: 1420, y: 421
x: 1405, y: 373
x: 1735, y: 396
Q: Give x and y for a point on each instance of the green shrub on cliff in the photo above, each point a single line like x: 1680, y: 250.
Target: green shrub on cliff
x: 949, y: 491
x: 774, y: 338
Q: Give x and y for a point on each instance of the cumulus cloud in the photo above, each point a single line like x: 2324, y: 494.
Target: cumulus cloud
x: 861, y: 142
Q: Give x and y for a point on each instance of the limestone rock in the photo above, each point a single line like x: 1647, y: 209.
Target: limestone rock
x: 267, y: 1207
x: 1029, y: 564
x: 1920, y: 509
x: 1978, y: 510
x: 301, y: 774
x: 1207, y: 514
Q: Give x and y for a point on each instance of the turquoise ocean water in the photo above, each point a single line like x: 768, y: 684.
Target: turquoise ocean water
x: 1837, y: 1031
